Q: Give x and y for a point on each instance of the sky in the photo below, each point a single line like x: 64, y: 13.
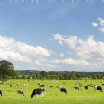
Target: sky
x: 53, y: 35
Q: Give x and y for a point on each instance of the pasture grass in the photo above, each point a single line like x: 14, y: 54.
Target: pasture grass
x: 52, y: 95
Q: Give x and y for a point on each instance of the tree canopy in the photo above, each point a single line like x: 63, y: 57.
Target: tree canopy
x: 6, y: 70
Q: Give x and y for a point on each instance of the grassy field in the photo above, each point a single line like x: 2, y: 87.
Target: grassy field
x: 52, y: 95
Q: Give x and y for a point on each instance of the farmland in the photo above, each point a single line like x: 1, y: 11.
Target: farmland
x: 52, y: 95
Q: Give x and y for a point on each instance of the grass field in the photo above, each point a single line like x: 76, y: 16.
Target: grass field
x: 52, y: 95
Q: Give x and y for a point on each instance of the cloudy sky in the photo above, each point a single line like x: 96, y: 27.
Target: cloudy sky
x: 52, y: 34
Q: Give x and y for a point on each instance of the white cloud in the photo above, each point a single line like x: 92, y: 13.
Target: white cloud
x: 101, y: 21
x: 72, y: 61
x: 61, y: 55
x: 19, y: 51
x: 101, y: 24
x: 94, y: 24
x: 101, y: 29
x: 88, y: 52
x: 70, y: 41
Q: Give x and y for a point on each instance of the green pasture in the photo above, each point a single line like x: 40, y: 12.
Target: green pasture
x: 52, y: 95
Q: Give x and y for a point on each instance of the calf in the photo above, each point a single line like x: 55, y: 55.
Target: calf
x: 62, y: 89
x: 76, y: 88
x: 98, y: 88
x: 20, y: 92
x: 37, y: 91
x: 0, y: 92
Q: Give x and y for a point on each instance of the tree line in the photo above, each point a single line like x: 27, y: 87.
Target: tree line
x: 7, y: 72
x: 60, y: 76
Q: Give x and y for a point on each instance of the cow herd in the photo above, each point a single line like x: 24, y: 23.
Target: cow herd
x: 40, y: 91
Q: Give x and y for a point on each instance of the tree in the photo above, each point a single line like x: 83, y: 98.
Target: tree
x: 6, y: 71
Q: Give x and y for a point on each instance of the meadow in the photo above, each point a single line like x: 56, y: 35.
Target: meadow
x: 52, y: 95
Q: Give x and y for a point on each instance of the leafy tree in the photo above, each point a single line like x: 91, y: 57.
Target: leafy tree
x: 6, y: 71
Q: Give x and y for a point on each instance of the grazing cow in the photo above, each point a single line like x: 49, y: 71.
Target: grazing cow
x: 42, y: 86
x: 86, y: 87
x: 76, y: 88
x: 80, y: 84
x: 39, y: 84
x: 62, y: 89
x: 91, y: 85
x: 0, y: 92
x: 25, y: 84
x: 20, y: 92
x: 37, y: 91
x: 102, y: 84
x: 11, y: 86
x: 98, y: 88
x: 50, y: 86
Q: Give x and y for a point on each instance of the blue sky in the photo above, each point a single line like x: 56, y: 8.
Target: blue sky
x: 52, y: 34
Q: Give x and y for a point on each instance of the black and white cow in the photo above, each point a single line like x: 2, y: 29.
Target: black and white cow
x: 50, y: 86
x: 0, y: 92
x: 62, y: 89
x: 76, y: 88
x: 86, y: 87
x: 20, y: 92
x: 98, y: 88
x: 37, y: 91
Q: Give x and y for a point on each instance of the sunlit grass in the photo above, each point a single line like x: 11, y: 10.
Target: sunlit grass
x: 52, y: 95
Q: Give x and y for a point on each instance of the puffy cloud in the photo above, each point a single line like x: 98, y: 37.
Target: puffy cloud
x: 19, y: 51
x: 72, y: 61
x: 88, y: 52
x: 71, y: 40
x: 94, y: 24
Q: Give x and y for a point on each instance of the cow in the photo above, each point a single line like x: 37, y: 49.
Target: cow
x: 50, y: 86
x: 86, y: 87
x: 102, y: 84
x: 80, y: 84
x: 0, y: 92
x: 20, y: 92
x: 39, y: 84
x: 37, y: 91
x: 62, y: 89
x: 76, y: 88
x: 42, y: 86
x: 98, y: 88
x: 11, y: 86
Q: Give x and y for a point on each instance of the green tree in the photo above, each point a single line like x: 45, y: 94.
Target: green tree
x: 6, y: 71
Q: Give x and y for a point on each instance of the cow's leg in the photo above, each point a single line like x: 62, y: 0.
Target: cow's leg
x: 42, y: 94
x: 37, y: 96
x: 95, y: 89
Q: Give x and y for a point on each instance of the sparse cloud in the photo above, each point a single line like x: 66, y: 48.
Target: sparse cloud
x: 101, y: 24
x: 61, y: 55
x: 94, y: 24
